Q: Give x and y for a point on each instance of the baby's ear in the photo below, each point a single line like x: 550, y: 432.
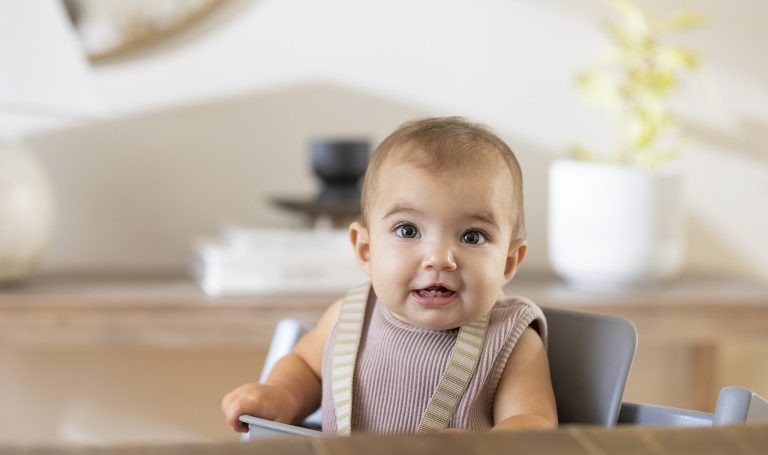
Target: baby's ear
x: 358, y: 235
x: 515, y: 257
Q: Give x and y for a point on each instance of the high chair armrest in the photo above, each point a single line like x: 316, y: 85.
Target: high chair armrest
x: 655, y: 415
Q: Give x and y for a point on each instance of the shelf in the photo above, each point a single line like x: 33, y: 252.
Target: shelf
x: 172, y: 310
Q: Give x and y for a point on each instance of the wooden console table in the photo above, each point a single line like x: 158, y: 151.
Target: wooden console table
x: 695, y: 335
x: 172, y: 309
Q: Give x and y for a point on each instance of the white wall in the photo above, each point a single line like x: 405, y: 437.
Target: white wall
x: 210, y: 125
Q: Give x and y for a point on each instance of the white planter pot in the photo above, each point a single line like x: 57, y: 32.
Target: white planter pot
x: 614, y: 227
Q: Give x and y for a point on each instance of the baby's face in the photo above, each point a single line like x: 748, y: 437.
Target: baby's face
x: 439, y: 245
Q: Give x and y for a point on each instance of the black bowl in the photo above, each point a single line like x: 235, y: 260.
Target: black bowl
x: 340, y: 164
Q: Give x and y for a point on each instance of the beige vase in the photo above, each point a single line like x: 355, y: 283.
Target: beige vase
x: 26, y: 212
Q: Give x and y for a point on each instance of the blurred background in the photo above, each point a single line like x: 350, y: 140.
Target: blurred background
x: 205, y: 123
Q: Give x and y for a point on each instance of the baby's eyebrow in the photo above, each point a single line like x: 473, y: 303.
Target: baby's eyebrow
x: 484, y: 217
x: 402, y: 208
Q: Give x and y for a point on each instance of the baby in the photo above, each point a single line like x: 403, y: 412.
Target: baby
x: 431, y: 343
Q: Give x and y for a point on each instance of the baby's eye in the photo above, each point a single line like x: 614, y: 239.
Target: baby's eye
x: 474, y: 237
x: 406, y: 231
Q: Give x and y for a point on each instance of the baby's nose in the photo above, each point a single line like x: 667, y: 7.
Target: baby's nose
x: 439, y: 257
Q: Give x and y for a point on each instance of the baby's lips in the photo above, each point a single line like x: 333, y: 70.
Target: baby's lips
x: 436, y: 287
x: 434, y: 291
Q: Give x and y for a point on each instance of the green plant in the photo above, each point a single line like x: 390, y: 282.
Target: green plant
x: 634, y: 79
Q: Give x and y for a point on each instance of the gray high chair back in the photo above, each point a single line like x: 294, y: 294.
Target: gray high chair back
x: 589, y: 359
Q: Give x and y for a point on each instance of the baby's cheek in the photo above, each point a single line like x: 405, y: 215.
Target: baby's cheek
x: 397, y: 265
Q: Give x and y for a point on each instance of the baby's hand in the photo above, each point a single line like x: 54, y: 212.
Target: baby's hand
x: 259, y: 400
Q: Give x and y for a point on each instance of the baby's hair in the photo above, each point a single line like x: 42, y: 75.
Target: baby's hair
x: 446, y: 144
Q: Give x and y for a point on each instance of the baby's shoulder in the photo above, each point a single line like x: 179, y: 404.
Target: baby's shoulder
x: 512, y: 314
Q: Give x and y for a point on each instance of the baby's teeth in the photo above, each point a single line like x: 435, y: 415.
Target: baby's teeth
x: 431, y: 292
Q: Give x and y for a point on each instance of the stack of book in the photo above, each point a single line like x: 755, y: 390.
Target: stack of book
x: 272, y: 261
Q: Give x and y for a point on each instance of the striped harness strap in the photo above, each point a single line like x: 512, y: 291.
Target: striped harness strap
x: 461, y: 367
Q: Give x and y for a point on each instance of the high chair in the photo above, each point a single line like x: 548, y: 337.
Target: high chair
x: 589, y: 356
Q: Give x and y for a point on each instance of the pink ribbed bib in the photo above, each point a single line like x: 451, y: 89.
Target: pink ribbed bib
x: 399, y: 366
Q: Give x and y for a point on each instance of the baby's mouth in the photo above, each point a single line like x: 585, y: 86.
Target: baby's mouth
x: 436, y: 296
x: 434, y: 291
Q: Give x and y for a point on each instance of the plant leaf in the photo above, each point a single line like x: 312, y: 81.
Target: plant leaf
x: 682, y: 21
x: 580, y: 152
x: 675, y: 59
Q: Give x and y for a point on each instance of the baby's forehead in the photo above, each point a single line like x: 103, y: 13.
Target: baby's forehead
x: 465, y: 172
x: 489, y: 189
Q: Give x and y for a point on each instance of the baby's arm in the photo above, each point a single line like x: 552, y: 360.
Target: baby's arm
x: 524, y: 398
x: 293, y: 389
